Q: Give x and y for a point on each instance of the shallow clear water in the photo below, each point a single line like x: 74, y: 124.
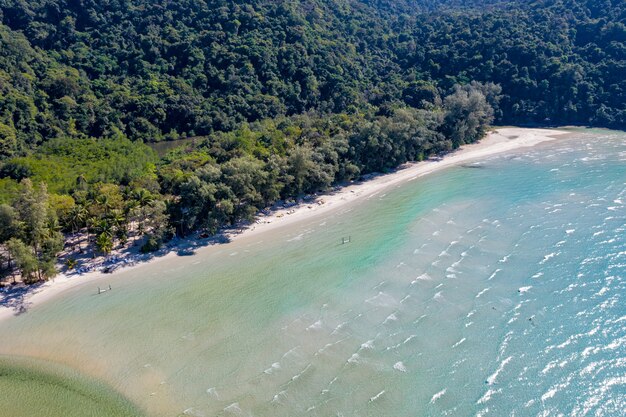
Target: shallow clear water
x: 33, y: 388
x: 488, y: 291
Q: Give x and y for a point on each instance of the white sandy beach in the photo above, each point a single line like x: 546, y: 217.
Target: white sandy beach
x: 499, y: 141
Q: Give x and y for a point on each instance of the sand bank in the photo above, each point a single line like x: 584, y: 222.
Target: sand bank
x: 499, y: 141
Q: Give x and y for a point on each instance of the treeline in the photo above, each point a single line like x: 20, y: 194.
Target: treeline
x: 283, y: 98
x: 159, y: 70
x: 219, y: 181
x: 29, y: 229
x: 231, y: 176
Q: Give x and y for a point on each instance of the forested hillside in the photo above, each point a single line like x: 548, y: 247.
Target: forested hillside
x: 155, y: 70
x: 282, y: 97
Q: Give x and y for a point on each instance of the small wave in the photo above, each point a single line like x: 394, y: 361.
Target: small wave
x: 399, y: 366
x: 315, y: 326
x: 278, y: 396
x: 381, y: 299
x: 380, y: 284
x: 438, y: 395
x: 552, y: 365
x: 339, y: 327
x: 290, y: 351
x: 377, y: 396
x: 233, y: 409
x: 329, y: 345
x: 354, y: 358
x: 522, y: 290
x: 417, y: 320
x: 505, y: 344
x: 550, y: 393
x: 391, y: 317
x: 299, y: 374
x: 368, y: 345
x: 296, y: 238
x: 482, y: 292
x: 602, y: 291
x: 458, y: 343
x: 213, y: 392
x: 408, y: 339
x: 487, y: 396
x: 549, y: 256
x: 493, y: 377
x: 423, y: 277
x: 438, y: 296
x: 493, y: 275
x: 275, y: 367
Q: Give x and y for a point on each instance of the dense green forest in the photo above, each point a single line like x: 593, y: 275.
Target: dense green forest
x: 283, y: 98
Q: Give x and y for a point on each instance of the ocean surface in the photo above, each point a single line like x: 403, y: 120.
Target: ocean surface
x: 491, y: 289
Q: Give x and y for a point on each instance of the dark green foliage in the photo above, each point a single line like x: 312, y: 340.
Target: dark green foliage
x: 558, y: 62
x: 263, y: 100
x: 31, y: 232
x: 152, y: 244
x: 229, y: 177
x: 155, y: 70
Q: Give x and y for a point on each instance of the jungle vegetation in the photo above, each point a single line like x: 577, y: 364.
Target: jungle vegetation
x: 282, y: 99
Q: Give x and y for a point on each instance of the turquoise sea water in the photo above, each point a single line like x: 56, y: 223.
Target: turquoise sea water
x: 493, y: 289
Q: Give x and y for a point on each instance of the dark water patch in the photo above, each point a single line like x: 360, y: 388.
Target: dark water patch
x: 162, y: 148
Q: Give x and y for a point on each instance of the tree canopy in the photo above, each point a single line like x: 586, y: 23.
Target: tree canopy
x: 154, y: 70
x: 263, y: 100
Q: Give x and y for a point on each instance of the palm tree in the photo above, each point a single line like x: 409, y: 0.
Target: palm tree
x: 104, y: 202
x: 104, y: 241
x: 91, y: 221
x: 143, y: 198
x: 129, y: 210
x: 76, y: 219
x: 120, y: 222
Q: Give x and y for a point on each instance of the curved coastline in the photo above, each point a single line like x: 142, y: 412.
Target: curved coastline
x: 498, y: 141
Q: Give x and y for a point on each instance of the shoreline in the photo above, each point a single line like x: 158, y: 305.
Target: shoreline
x: 498, y: 141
